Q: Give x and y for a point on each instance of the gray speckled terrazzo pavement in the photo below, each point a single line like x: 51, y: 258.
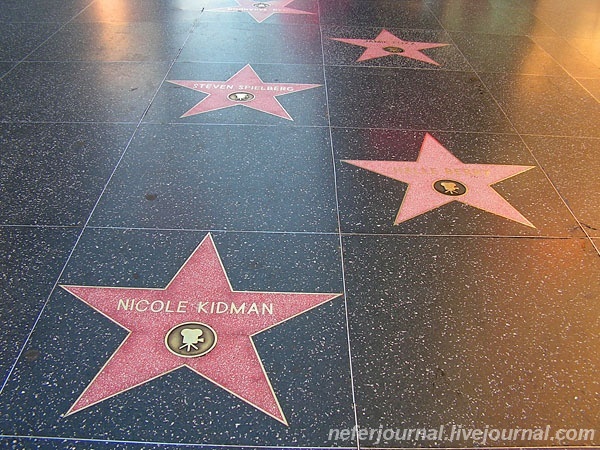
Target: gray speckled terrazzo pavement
x: 383, y: 213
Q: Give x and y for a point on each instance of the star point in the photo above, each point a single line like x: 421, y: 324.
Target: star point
x: 438, y: 177
x: 197, y: 321
x: 245, y: 88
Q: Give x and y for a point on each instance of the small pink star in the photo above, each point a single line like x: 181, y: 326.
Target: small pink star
x: 245, y: 88
x: 438, y: 177
x: 386, y: 44
x: 261, y: 10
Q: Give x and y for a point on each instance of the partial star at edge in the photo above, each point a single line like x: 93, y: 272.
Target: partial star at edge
x: 261, y: 10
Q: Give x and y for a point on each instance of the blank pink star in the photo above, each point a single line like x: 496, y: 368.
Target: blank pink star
x: 245, y: 85
x: 261, y: 10
x: 436, y: 164
x: 376, y: 48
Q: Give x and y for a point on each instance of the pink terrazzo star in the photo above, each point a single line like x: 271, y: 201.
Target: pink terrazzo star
x: 386, y: 44
x: 197, y: 321
x: 438, y: 178
x: 261, y: 10
x: 245, y: 88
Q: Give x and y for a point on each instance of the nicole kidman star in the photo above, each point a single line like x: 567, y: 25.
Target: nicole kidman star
x: 197, y: 321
